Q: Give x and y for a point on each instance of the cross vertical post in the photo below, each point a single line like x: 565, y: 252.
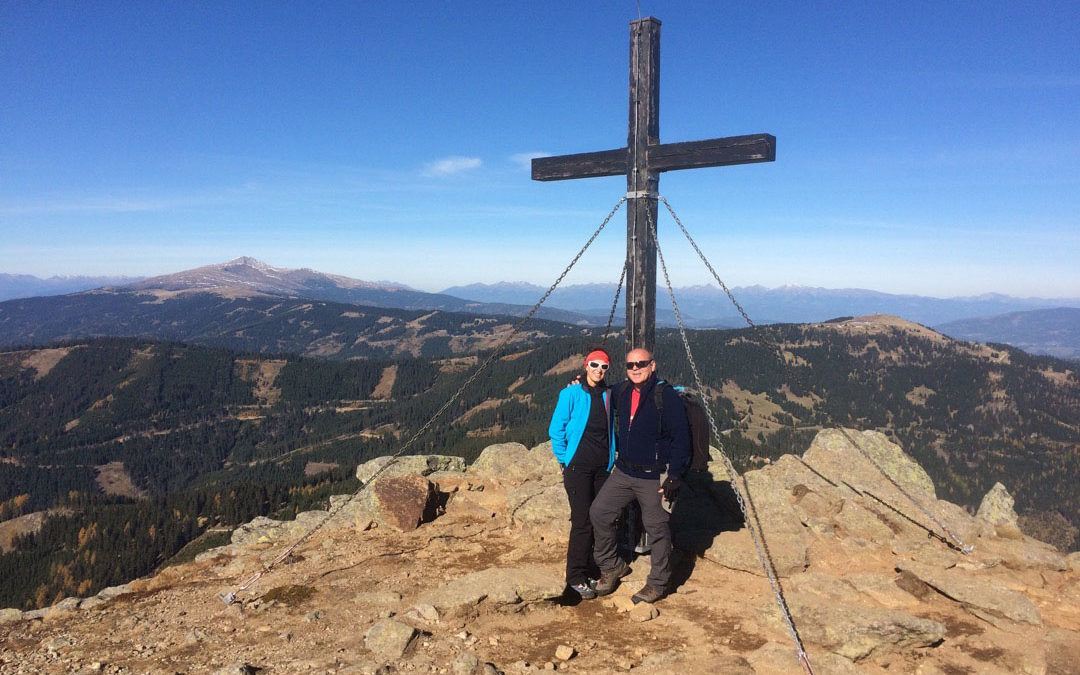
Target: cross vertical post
x: 642, y: 161
x: 642, y: 184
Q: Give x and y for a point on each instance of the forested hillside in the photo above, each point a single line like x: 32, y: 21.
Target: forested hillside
x: 258, y: 323
x: 210, y: 438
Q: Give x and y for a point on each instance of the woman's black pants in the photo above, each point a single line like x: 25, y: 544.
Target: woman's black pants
x: 582, y: 485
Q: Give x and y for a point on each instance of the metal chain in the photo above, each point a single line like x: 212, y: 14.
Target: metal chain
x: 229, y: 598
x: 959, y: 543
x: 614, y: 304
x: 760, y: 545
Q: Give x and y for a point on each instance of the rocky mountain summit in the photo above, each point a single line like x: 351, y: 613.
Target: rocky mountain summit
x: 442, y: 568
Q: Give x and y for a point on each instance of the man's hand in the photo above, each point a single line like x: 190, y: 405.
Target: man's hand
x: 670, y: 488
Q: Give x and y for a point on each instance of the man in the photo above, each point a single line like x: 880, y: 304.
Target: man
x: 648, y: 442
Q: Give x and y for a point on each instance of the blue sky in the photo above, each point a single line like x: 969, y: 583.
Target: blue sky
x: 922, y: 147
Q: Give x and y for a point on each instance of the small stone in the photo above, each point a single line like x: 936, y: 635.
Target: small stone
x: 565, y: 652
x: 622, y: 603
x: 549, y: 666
x: 427, y: 612
x: 464, y: 664
x: 389, y: 638
x: 644, y: 612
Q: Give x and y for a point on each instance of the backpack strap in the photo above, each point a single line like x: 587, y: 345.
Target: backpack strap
x: 658, y: 399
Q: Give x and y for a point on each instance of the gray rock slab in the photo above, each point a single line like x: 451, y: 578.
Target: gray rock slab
x: 981, y: 596
x: 389, y: 639
x: 832, y: 454
x: 265, y: 530
x: 10, y: 615
x: 855, y: 632
x: 509, y: 463
x: 783, y: 534
x: 538, y: 504
x: 498, y: 586
x: 1026, y: 553
x: 406, y: 464
x: 858, y: 521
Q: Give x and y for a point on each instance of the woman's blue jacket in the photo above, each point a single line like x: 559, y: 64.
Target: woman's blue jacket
x: 569, y: 420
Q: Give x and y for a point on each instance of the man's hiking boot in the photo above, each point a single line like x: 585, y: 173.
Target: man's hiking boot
x: 649, y: 594
x: 609, y: 581
x: 584, y: 590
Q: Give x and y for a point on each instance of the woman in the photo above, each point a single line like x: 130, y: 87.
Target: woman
x: 583, y: 441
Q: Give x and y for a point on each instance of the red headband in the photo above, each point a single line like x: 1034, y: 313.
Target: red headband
x: 598, y: 356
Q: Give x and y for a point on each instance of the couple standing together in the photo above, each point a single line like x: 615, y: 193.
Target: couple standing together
x: 613, y: 444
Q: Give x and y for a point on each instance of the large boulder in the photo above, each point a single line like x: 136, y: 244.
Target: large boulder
x: 401, y: 502
x: 997, y: 507
x: 833, y: 455
x: 510, y: 463
x: 784, y: 535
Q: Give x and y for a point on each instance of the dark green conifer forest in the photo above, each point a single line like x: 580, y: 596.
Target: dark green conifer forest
x: 211, y: 438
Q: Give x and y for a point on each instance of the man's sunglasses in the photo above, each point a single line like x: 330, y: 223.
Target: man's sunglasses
x: 598, y: 364
x: 633, y: 365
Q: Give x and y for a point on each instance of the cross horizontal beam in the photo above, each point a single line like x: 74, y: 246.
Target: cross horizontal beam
x: 664, y: 157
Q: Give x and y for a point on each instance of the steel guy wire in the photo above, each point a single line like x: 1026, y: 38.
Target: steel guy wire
x: 757, y: 532
x: 229, y: 598
x: 614, y: 304
x: 959, y: 543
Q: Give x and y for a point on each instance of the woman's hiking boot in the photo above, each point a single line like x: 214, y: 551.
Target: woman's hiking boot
x: 584, y: 590
x: 609, y: 581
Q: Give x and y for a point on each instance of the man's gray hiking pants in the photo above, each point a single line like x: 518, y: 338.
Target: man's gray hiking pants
x: 618, y: 491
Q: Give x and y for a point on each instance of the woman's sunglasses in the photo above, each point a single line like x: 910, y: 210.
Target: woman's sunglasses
x: 598, y: 364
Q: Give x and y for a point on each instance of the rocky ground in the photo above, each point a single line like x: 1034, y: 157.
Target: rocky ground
x: 441, y: 569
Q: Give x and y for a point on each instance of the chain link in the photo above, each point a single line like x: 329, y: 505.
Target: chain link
x: 614, y: 304
x: 757, y: 533
x: 958, y: 542
x: 229, y: 598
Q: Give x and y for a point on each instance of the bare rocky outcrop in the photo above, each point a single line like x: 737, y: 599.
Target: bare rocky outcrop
x: 438, y: 567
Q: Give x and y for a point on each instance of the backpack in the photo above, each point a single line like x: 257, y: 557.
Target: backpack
x: 695, y: 416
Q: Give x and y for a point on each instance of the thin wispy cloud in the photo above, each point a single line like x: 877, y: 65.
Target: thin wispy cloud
x: 452, y: 166
x: 524, y: 159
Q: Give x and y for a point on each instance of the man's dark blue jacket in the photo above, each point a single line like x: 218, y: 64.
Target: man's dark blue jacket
x: 640, y: 452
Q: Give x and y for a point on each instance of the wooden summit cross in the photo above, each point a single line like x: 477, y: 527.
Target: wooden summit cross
x: 642, y: 161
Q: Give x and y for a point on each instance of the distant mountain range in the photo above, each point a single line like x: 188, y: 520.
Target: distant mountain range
x: 101, y: 311
x: 26, y: 286
x: 1053, y: 332
x: 708, y: 306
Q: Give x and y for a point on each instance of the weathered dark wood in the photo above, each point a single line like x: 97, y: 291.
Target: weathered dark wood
x: 584, y: 165
x: 642, y: 160
x: 664, y: 157
x: 642, y: 183
x: 713, y: 152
